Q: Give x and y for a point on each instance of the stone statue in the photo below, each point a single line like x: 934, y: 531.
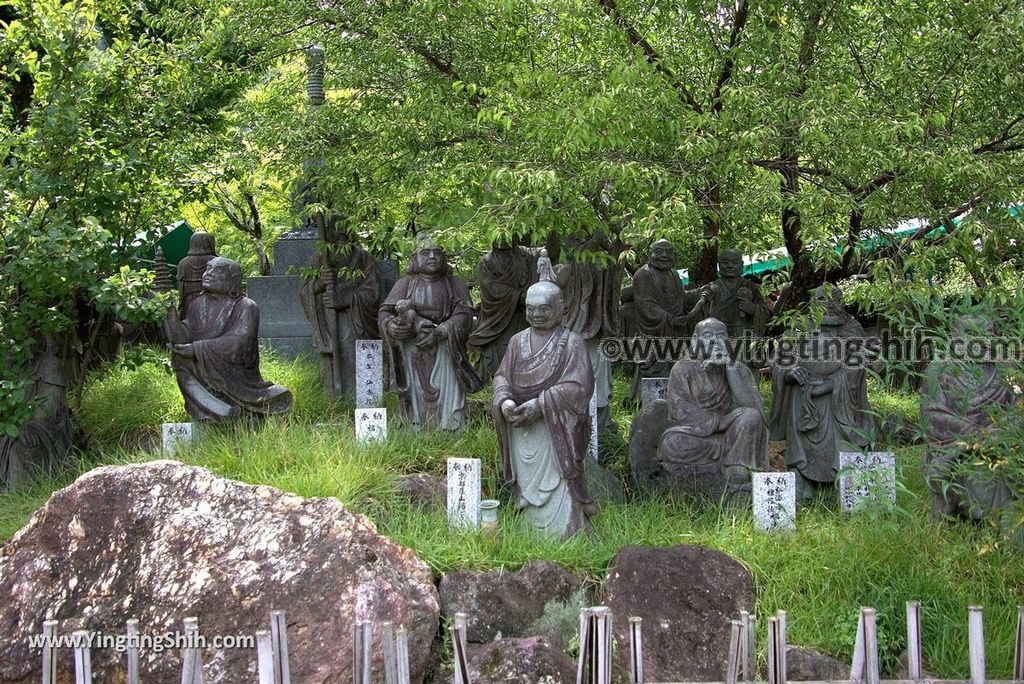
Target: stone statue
x: 504, y: 273
x: 341, y: 304
x: 428, y: 365
x: 540, y: 406
x: 957, y: 407
x: 820, y: 402
x: 732, y: 299
x: 662, y: 306
x: 46, y: 437
x: 202, y: 247
x: 715, y: 412
x: 215, y: 354
x: 591, y: 294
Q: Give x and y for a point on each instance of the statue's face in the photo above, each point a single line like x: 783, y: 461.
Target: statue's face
x: 730, y: 264
x: 543, y: 309
x: 830, y: 299
x: 217, y: 277
x: 432, y: 260
x: 713, y: 341
x: 663, y: 256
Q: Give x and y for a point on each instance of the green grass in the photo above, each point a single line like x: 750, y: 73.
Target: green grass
x: 820, y: 576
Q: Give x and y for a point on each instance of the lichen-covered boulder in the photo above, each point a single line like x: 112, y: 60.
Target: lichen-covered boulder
x: 162, y: 541
x: 520, y: 661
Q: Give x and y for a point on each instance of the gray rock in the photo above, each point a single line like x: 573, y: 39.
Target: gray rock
x: 602, y: 484
x: 499, y: 601
x: 426, y: 491
x: 806, y: 665
x: 687, y: 596
x: 162, y: 541
x: 520, y: 661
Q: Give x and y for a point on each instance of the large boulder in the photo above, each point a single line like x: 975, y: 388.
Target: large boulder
x: 520, y: 661
x: 162, y: 541
x: 687, y: 597
x: 506, y: 603
x: 808, y: 665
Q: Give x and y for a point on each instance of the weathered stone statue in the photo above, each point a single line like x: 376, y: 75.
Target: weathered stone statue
x: 591, y: 294
x: 202, y: 247
x: 662, y: 309
x: 504, y: 273
x: 715, y: 412
x: 46, y: 438
x: 429, y: 366
x: 215, y: 354
x: 957, y: 406
x: 732, y: 299
x: 341, y: 304
x: 820, y: 403
x: 540, y: 406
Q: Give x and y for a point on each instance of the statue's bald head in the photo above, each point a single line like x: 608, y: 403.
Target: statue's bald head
x: 223, y: 277
x: 545, y: 306
x: 710, y: 326
x: 663, y: 255
x: 730, y: 264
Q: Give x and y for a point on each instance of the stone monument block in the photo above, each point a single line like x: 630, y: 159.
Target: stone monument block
x: 369, y: 373
x: 652, y: 390
x: 593, y: 451
x: 464, y: 493
x: 866, y: 479
x: 371, y: 424
x: 174, y: 433
x: 774, y: 502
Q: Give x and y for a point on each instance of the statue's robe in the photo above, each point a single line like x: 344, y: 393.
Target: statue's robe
x: 957, y: 402
x: 545, y: 458
x: 725, y: 306
x: 190, y: 278
x: 591, y: 295
x: 432, y: 383
x: 504, y: 276
x: 712, y: 422
x: 356, y: 292
x: 828, y: 415
x: 659, y: 297
x: 223, y: 380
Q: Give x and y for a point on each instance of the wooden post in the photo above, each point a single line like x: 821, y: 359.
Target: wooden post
x: 782, y: 644
x: 751, y: 662
x: 585, y: 637
x: 732, y: 665
x: 265, y: 657
x: 133, y: 651
x: 390, y: 655
x: 279, y: 641
x: 83, y: 658
x: 871, y: 669
x: 636, y: 650
x: 857, y: 664
x: 362, y: 642
x: 49, y: 652
x: 773, y: 650
x: 976, y: 642
x: 601, y: 631
x: 1018, y: 651
x: 459, y: 654
x: 192, y: 656
x: 914, y: 640
x: 402, y: 651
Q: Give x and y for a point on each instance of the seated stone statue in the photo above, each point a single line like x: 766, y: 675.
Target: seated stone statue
x: 215, y: 354
x: 715, y: 412
x: 541, y: 412
x: 428, y: 364
x: 820, y: 403
x: 958, y: 402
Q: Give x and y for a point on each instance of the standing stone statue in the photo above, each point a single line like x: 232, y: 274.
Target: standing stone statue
x: 46, y: 437
x: 733, y: 299
x: 341, y: 304
x: 215, y: 351
x: 429, y: 367
x: 591, y: 294
x: 715, y: 412
x: 504, y: 273
x: 202, y: 247
x: 662, y: 306
x: 540, y: 406
x: 957, y: 407
x: 820, y: 404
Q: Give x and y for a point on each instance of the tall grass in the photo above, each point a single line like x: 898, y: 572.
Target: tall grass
x: 821, y: 575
